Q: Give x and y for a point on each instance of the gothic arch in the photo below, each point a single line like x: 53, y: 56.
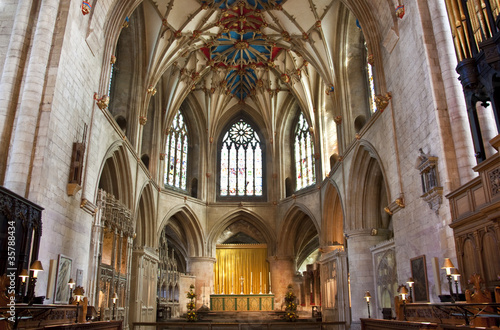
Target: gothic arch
x: 235, y: 216
x: 145, y: 218
x: 185, y: 230
x: 298, y: 234
x: 264, y: 143
x: 368, y: 191
x: 115, y: 177
x: 366, y: 15
x: 332, y: 222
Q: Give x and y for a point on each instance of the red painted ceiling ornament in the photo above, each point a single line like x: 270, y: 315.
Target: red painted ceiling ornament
x: 285, y: 78
x: 86, y: 7
x: 400, y: 11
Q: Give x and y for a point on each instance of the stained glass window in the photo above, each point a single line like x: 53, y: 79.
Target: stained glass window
x: 176, y: 154
x: 111, y: 79
x: 371, y: 86
x: 304, y: 154
x: 241, y: 161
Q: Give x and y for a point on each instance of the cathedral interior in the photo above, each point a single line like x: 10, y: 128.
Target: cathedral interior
x: 249, y: 148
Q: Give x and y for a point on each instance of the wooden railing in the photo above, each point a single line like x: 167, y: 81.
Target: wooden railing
x: 377, y: 324
x: 239, y: 326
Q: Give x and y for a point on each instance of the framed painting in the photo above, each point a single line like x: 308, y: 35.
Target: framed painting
x: 419, y: 274
x: 61, y: 294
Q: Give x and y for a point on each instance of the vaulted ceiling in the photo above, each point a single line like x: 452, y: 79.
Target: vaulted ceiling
x: 261, y: 54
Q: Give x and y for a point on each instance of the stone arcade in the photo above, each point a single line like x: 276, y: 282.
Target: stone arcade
x: 243, y: 146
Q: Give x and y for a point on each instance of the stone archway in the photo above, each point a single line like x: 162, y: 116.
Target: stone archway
x: 367, y: 223
x: 144, y: 261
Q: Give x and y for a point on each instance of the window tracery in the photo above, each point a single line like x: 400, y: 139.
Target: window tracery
x: 241, y: 161
x: 176, y: 154
x: 304, y: 155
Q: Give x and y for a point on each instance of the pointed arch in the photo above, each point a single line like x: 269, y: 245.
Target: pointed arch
x: 369, y: 191
x: 332, y: 222
x: 298, y: 234
x: 185, y: 231
x: 115, y: 177
x: 235, y: 216
x: 145, y: 218
x: 241, y: 160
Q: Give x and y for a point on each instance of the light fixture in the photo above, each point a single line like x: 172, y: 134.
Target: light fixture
x: 24, y: 275
x: 71, y: 284
x: 448, y: 266
x: 78, y: 292
x: 367, y: 297
x: 403, y: 291
x: 115, y: 298
x: 455, y: 276
x: 36, y: 267
x: 410, y: 285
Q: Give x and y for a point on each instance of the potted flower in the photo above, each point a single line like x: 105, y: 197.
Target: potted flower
x: 291, y: 306
x: 191, y: 305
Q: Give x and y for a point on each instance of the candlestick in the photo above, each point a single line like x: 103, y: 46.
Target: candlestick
x: 260, y: 292
x: 251, y: 283
x: 270, y: 283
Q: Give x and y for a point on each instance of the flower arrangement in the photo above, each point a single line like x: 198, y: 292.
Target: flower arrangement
x: 290, y: 316
x: 191, y: 316
x: 191, y: 305
x: 291, y: 306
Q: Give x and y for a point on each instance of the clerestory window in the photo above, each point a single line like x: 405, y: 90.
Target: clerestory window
x: 176, y: 154
x: 304, y: 155
x: 241, y: 159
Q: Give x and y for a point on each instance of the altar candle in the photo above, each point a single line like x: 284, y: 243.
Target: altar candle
x: 261, y: 280
x: 251, y: 280
x: 269, y: 279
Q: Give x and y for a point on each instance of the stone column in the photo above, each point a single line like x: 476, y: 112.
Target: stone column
x: 203, y: 270
x: 282, y: 274
x: 24, y: 135
x: 11, y: 78
x: 454, y: 97
x: 488, y: 127
x: 360, y: 271
x: 142, y: 302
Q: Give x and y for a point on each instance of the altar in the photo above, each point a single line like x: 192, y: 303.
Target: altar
x: 242, y: 302
x: 241, y: 269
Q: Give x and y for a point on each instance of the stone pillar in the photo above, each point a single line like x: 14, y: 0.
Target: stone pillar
x: 282, y: 274
x: 360, y: 271
x: 203, y: 270
x: 455, y: 102
x: 488, y: 127
x: 24, y: 135
x: 11, y: 78
x: 142, y: 301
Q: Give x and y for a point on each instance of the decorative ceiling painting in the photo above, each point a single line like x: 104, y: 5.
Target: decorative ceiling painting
x: 224, y: 54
